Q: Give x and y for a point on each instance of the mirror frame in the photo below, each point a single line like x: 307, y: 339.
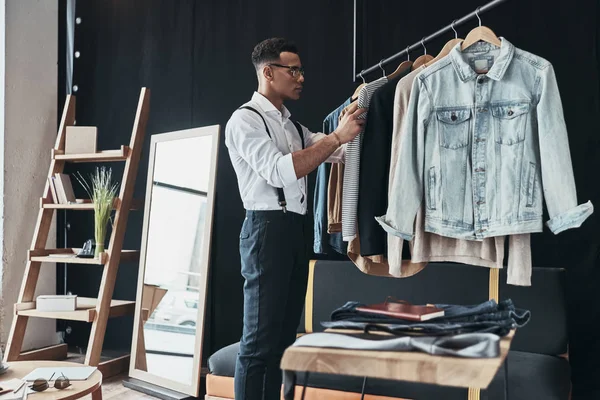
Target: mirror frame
x: 194, y: 387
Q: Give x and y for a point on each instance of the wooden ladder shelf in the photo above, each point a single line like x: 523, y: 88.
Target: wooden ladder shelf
x: 93, y: 310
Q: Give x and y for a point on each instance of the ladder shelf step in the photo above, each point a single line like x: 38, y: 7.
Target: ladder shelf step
x: 69, y: 256
x: 101, y: 156
x: 86, y: 310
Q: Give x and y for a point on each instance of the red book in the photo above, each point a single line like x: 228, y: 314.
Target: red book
x: 403, y: 310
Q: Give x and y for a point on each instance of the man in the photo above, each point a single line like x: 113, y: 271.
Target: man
x: 272, y: 159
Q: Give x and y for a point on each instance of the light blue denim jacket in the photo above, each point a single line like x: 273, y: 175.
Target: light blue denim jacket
x: 483, y: 149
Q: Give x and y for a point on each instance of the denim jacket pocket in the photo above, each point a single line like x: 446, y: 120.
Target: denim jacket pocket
x: 509, y: 121
x: 454, y: 128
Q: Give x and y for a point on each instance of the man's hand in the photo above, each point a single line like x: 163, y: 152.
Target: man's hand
x: 308, y: 159
x: 350, y: 125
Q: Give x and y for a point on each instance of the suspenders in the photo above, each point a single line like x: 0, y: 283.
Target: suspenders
x: 280, y: 194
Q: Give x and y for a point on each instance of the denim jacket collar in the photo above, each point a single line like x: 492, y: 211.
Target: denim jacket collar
x: 466, y: 73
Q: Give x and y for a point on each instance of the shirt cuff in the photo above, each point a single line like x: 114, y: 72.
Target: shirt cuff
x: 392, y: 230
x: 572, y: 218
x: 285, y: 166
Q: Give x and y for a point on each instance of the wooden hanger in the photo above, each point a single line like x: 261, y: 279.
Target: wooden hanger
x: 445, y: 51
x: 403, y: 67
x: 481, y: 33
x: 447, y: 47
x: 357, y: 91
x: 362, y: 85
x: 422, y: 60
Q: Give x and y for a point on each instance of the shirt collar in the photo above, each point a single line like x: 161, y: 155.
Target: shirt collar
x: 268, y: 107
x: 466, y: 73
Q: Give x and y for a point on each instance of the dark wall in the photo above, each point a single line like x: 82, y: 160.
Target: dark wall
x: 196, y: 61
x: 195, y: 58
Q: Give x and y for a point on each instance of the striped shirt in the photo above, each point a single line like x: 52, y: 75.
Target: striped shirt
x: 352, y: 166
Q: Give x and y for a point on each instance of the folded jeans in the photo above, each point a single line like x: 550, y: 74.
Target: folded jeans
x: 470, y: 345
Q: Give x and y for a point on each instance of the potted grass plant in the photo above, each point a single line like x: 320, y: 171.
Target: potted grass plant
x: 102, y: 192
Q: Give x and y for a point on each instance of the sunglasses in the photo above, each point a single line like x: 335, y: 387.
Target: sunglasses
x: 41, y: 384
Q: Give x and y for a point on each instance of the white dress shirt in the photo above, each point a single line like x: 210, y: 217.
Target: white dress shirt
x: 262, y: 163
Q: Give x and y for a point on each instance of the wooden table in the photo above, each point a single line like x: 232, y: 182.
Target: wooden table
x: 475, y: 373
x: 78, y: 389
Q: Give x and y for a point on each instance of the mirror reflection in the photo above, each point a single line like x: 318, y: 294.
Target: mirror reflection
x: 174, y: 278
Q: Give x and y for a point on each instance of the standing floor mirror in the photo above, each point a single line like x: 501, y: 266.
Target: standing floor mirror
x: 174, y: 260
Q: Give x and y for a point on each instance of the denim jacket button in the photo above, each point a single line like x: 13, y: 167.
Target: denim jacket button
x: 510, y: 113
x: 453, y: 117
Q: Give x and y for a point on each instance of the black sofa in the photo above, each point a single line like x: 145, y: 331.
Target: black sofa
x: 536, y: 367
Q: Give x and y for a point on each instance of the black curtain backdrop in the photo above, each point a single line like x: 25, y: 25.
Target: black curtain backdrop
x: 195, y: 58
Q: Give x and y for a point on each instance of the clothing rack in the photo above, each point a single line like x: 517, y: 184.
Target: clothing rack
x: 473, y: 393
x: 422, y: 42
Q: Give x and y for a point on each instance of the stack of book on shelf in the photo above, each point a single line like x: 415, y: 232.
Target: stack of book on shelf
x: 61, y: 189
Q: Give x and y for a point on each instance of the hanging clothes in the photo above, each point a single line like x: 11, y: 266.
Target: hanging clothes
x: 401, y: 96
x: 378, y: 265
x: 430, y: 247
x: 334, y: 198
x: 352, y: 166
x: 324, y: 241
x: 480, y: 158
x: 373, y: 184
x: 334, y: 193
x: 375, y: 168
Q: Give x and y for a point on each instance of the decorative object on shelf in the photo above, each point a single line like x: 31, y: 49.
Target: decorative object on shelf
x: 88, y: 249
x: 63, y: 188
x: 81, y: 140
x: 53, y: 192
x: 53, y: 303
x: 102, y: 192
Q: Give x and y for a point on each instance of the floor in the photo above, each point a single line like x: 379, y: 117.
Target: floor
x: 112, y: 388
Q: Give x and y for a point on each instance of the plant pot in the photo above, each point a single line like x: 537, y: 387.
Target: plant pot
x: 100, y: 238
x: 99, y: 248
x: 101, y: 219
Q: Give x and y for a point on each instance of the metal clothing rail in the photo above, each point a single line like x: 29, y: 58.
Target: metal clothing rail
x: 426, y: 39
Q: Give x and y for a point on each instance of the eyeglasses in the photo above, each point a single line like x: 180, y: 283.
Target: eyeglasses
x: 40, y: 384
x: 295, y: 71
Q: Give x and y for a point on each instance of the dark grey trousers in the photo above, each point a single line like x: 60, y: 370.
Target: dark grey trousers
x: 273, y: 249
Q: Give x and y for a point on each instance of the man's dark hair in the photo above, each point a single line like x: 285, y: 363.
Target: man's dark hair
x: 269, y: 50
